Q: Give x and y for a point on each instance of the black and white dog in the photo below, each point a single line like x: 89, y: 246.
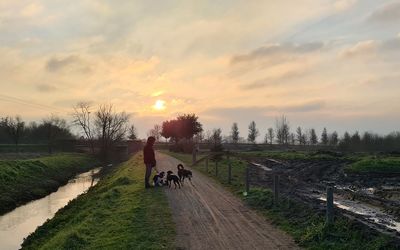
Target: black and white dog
x: 173, y: 178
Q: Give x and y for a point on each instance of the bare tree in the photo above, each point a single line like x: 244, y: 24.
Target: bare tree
x: 282, y: 130
x: 111, y: 127
x: 235, y: 133
x: 271, y: 135
x: 253, y: 132
x: 132, y: 133
x: 81, y: 116
x: 155, y: 132
x: 15, y: 128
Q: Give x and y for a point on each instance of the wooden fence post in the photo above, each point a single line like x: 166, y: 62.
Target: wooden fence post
x: 216, y: 168
x: 229, y: 173
x: 329, y: 204
x: 276, y: 190
x: 229, y: 168
x: 248, y: 178
x: 194, y: 156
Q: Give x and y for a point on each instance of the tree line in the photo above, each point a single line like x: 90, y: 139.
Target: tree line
x: 282, y: 134
x: 14, y: 130
x: 102, y: 128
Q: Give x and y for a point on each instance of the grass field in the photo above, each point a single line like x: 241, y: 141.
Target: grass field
x: 303, y: 223
x: 376, y: 165
x: 25, y: 180
x: 118, y: 213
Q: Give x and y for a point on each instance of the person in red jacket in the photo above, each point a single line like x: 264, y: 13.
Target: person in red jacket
x: 149, y: 159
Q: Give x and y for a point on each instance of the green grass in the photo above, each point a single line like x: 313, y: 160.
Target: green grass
x: 118, y: 213
x: 360, y: 162
x: 25, y: 180
x: 375, y: 165
x: 305, y: 225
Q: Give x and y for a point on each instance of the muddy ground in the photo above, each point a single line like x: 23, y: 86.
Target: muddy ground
x: 372, y: 198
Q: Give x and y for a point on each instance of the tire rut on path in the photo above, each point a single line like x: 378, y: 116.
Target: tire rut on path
x: 209, y: 217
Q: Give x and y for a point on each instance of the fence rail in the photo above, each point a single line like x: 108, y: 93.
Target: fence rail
x: 279, y: 192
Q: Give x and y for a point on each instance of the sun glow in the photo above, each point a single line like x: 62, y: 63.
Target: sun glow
x: 159, y: 105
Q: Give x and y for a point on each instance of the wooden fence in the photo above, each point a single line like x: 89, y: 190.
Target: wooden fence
x: 247, y: 180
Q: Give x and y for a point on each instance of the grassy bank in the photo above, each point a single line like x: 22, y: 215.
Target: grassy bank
x: 376, y: 165
x: 25, y: 180
x: 305, y: 225
x: 118, y: 213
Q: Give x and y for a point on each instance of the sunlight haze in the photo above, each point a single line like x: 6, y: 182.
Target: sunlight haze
x: 321, y: 63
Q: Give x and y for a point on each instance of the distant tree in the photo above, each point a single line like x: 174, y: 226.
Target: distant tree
x: 253, y: 132
x: 266, y: 138
x: 355, y: 141
x: 324, y: 137
x: 184, y: 126
x: 300, y: 137
x: 56, y: 128
x: 235, y: 133
x: 199, y: 137
x: 346, y: 138
x: 345, y: 142
x: 132, y: 132
x: 155, y: 132
x: 15, y: 129
x: 4, y: 134
x: 207, y: 136
x: 81, y: 116
x: 334, y: 139
x: 313, y: 137
x: 292, y: 138
x: 271, y: 135
x: 216, y: 139
x: 111, y: 127
x: 282, y: 130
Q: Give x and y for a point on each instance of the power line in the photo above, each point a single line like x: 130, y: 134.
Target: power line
x: 28, y: 103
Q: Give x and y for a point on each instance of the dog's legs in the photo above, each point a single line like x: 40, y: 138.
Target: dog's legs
x: 175, y: 184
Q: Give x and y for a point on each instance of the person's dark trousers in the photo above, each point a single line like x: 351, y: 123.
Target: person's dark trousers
x: 147, y: 175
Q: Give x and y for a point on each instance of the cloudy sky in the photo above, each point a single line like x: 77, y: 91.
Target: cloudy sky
x: 319, y: 62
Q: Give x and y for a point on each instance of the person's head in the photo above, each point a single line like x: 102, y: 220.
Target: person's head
x: 151, y: 140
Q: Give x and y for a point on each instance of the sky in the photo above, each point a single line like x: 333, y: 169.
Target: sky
x: 321, y: 63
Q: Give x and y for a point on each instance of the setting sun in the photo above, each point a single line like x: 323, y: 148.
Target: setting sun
x: 159, y: 105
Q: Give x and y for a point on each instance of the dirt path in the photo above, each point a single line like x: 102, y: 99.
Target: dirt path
x: 209, y: 217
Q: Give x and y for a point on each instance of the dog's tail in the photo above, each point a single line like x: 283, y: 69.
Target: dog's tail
x: 180, y: 166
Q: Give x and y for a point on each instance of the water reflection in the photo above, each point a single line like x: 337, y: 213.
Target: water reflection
x: 370, y: 212
x: 19, y: 223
